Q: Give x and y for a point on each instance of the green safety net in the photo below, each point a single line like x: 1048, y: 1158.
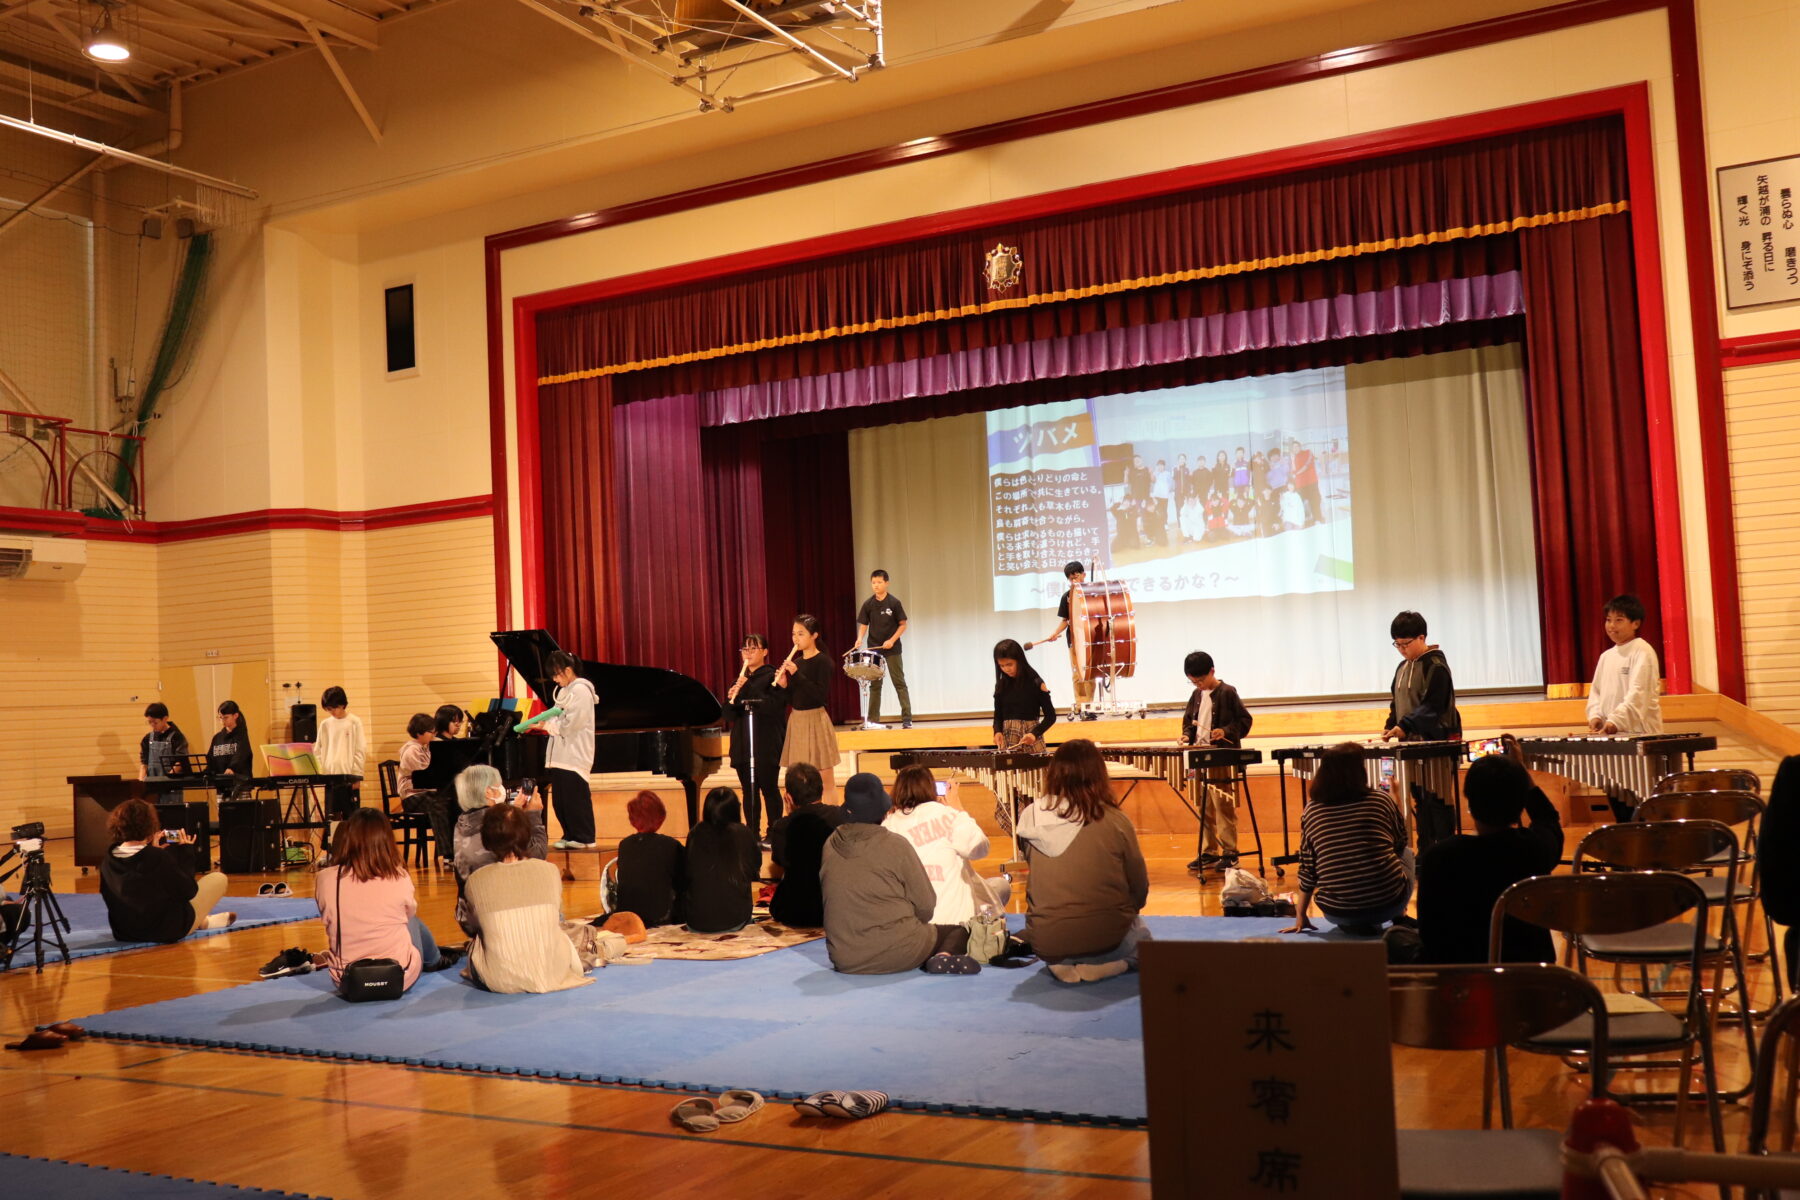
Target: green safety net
x: 174, y: 348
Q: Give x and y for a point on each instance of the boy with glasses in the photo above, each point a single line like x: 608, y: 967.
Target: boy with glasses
x: 1423, y: 709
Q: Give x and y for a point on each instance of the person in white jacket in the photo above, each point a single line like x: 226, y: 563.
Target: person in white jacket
x: 946, y: 839
x: 1623, y: 698
x: 341, y: 748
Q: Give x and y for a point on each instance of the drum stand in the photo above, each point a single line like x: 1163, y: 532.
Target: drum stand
x: 1104, y: 707
x: 865, y: 673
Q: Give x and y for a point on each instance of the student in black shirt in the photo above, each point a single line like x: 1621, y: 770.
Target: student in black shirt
x: 879, y: 625
x: 807, y: 677
x: 1023, y: 709
x: 722, y: 863
x: 1076, y: 574
x: 753, y: 698
x: 1215, y: 716
x: 163, y: 751
x: 652, y: 866
x: 229, y: 753
x: 1461, y: 878
x: 1423, y: 708
x: 797, y: 847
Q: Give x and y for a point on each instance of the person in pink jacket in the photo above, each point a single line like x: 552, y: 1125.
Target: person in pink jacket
x: 366, y: 899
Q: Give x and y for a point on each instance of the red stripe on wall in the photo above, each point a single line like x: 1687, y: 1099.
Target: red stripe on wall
x: 260, y: 521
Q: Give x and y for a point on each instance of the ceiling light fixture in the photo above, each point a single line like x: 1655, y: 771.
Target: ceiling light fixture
x: 105, y: 44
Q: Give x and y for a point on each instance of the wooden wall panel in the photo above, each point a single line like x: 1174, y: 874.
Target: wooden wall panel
x: 1763, y: 430
x: 78, y: 663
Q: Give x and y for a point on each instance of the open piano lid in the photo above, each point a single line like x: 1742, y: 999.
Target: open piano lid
x: 631, y: 698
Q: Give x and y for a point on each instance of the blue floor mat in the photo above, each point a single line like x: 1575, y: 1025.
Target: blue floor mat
x: 43, y: 1179
x: 1002, y: 1043
x: 89, y: 934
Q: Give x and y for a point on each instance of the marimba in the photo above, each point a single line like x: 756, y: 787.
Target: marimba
x: 1182, y: 766
x: 1405, y: 770
x: 1626, y: 766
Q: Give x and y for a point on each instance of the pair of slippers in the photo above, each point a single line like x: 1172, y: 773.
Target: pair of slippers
x: 274, y: 889
x: 703, y: 1114
x: 842, y: 1106
x: 51, y: 1037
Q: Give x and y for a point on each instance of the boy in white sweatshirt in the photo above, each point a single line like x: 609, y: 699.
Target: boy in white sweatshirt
x: 341, y: 748
x: 1623, y: 698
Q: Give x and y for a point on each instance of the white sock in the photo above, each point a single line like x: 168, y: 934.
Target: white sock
x: 218, y: 920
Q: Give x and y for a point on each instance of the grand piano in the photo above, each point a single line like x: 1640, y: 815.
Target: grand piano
x: 647, y: 719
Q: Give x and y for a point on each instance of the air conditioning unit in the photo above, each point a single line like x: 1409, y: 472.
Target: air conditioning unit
x: 42, y: 560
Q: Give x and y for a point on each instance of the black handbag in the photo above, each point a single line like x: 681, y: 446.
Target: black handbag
x: 366, y: 978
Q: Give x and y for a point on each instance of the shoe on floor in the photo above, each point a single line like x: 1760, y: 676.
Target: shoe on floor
x: 448, y: 956
x: 292, y: 961
x: 41, y: 1039
x: 68, y: 1029
x: 696, y: 1114
x: 814, y: 1105
x: 872, y: 726
x: 854, y: 1106
x: 906, y: 724
x: 737, y: 1104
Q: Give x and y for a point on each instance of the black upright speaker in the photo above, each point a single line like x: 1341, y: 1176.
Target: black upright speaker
x: 304, y: 720
x: 248, y: 839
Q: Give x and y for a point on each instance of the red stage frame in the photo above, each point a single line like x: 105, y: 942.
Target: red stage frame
x: 1630, y: 102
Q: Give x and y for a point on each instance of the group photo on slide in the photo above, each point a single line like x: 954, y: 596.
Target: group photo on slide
x: 1161, y: 599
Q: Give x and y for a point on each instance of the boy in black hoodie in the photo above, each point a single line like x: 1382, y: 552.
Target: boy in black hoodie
x: 1423, y: 709
x: 1215, y: 716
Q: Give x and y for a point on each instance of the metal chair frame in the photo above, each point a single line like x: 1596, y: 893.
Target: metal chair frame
x: 1732, y: 807
x: 415, y: 828
x: 1781, y: 1037
x: 1621, y: 902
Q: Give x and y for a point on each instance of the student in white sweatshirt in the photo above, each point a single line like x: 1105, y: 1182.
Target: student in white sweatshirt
x: 1623, y: 698
x: 340, y: 747
x: 945, y: 838
x: 571, y: 756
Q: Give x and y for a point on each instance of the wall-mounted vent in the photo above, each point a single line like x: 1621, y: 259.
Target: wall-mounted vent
x: 42, y: 560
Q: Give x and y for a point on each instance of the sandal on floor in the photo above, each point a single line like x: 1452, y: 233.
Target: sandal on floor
x: 41, y: 1039
x: 68, y: 1029
x: 814, y: 1105
x: 737, y: 1104
x: 854, y: 1106
x: 696, y: 1114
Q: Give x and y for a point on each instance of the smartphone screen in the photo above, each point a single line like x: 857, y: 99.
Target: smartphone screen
x: 943, y: 787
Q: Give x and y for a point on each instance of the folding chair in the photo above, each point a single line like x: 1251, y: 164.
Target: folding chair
x: 1584, y: 907
x: 1781, y: 1039
x: 415, y: 828
x: 1488, y: 1008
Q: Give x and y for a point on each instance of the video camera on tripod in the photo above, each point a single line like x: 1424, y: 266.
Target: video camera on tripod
x: 25, y: 920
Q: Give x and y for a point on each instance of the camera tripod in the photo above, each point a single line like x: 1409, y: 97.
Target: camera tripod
x: 40, y: 909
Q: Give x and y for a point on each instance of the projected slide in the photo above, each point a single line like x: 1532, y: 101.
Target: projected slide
x: 1229, y: 489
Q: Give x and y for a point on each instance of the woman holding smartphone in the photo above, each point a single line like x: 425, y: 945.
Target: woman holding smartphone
x: 947, y: 840
x: 147, y: 880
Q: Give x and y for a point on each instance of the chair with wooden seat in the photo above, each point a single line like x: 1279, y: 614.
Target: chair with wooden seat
x: 1737, y: 808
x: 414, y: 828
x: 1488, y: 1008
x: 1686, y: 846
x: 1613, y: 904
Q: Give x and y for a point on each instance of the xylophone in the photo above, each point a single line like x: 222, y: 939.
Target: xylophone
x: 1419, y: 769
x: 1178, y: 766
x: 1627, y: 767
x: 1016, y: 777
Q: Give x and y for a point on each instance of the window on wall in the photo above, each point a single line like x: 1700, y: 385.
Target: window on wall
x: 402, y: 351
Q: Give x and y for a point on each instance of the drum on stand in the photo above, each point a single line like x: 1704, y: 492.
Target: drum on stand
x: 866, y: 667
x: 1103, y: 623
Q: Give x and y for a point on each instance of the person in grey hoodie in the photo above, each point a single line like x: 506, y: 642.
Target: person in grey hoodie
x: 1088, y: 882
x: 878, y: 899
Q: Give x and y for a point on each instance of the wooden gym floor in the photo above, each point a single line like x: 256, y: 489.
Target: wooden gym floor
x: 381, y: 1132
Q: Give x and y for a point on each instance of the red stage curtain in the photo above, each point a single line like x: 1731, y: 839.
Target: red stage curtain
x: 1590, y: 448
x: 811, y: 559
x: 1444, y: 194
x: 732, y: 459
x: 575, y: 431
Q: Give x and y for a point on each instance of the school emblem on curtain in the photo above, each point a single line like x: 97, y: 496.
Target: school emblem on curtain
x: 1003, y: 267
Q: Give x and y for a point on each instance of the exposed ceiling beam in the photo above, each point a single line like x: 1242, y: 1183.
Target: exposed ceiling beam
x: 612, y: 44
x: 20, y: 9
x: 118, y: 77
x: 337, y: 71
x: 353, y: 27
x: 295, y: 37
x: 78, y: 107
x: 54, y: 88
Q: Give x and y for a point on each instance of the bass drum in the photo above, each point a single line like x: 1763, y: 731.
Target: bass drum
x: 1105, y: 628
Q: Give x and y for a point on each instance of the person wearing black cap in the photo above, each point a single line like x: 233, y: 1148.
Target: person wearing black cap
x: 878, y: 899
x: 1076, y: 574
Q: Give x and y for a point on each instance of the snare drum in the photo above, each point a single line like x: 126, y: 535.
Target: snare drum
x: 865, y: 666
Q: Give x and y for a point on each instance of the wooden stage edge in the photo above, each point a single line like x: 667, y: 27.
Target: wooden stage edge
x: 1274, y: 727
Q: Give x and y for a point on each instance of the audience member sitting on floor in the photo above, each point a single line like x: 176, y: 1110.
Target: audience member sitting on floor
x: 415, y: 755
x: 1353, y: 855
x: 1088, y: 882
x: 366, y: 899
x: 147, y: 880
x: 477, y: 789
x: 946, y: 839
x: 796, y: 844
x: 516, y: 903
x: 652, y: 866
x: 878, y: 900
x: 1462, y: 877
x: 723, y: 861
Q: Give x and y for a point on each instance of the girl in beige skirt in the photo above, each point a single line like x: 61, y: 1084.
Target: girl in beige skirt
x: 807, y: 676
